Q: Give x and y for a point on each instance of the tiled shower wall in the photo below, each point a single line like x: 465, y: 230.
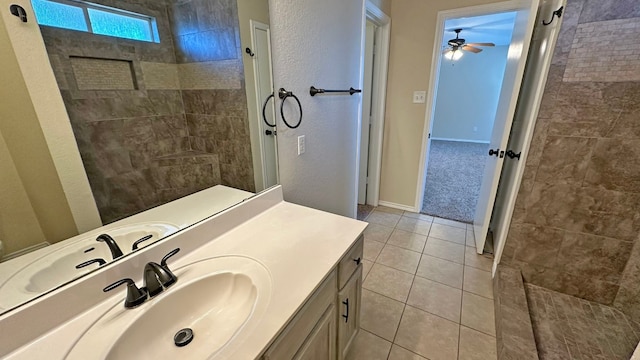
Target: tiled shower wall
x: 577, y: 222
x: 207, y: 38
x: 132, y: 129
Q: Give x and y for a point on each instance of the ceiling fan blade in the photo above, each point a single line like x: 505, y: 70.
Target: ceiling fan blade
x: 481, y: 44
x: 471, y: 48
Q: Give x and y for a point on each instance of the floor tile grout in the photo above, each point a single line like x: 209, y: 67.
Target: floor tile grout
x: 414, y: 274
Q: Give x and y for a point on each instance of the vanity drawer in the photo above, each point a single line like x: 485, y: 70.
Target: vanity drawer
x: 350, y: 262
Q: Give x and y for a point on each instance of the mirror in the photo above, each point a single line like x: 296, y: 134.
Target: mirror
x: 163, y: 105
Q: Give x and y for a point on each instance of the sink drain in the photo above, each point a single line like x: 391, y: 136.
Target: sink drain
x: 183, y: 337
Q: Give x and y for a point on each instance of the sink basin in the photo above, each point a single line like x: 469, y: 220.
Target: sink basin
x: 59, y: 266
x: 218, y: 299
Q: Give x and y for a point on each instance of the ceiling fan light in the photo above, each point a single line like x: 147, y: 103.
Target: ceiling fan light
x: 453, y: 55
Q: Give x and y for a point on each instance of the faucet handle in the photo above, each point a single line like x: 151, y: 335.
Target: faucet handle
x: 166, y: 257
x: 142, y: 239
x: 170, y: 278
x: 135, y: 295
x: 100, y: 262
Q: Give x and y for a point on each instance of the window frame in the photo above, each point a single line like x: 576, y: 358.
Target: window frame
x: 85, y: 6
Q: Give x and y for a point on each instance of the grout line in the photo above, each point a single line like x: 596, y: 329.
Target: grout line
x: 464, y: 265
x: 441, y: 283
x: 461, y: 306
x: 413, y: 352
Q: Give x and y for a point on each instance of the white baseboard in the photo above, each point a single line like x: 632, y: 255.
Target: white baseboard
x: 397, y: 206
x: 462, y: 140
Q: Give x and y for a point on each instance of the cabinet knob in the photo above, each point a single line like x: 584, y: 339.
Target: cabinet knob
x: 358, y: 260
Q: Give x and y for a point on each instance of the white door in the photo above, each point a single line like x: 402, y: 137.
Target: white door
x: 366, y: 112
x: 516, y: 59
x: 261, y: 45
x: 535, y: 78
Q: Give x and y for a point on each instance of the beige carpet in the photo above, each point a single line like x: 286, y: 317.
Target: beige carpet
x: 454, y: 176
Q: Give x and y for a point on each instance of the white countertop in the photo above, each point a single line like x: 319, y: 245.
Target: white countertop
x: 299, y: 246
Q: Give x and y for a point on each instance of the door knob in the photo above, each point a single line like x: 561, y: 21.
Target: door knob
x: 269, y: 132
x: 494, y: 152
x: 513, y: 155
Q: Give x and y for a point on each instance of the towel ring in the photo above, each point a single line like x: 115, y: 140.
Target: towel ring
x: 284, y: 94
x: 264, y: 111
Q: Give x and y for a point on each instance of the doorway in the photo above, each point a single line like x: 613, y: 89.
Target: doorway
x: 474, y: 57
x: 255, y: 37
x: 525, y: 14
x: 267, y: 165
x: 367, y: 83
x: 376, y: 55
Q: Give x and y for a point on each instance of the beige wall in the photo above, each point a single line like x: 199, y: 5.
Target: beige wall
x: 27, y: 146
x: 413, y: 27
x: 19, y: 227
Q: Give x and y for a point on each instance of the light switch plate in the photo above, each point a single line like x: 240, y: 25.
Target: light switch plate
x: 419, y: 97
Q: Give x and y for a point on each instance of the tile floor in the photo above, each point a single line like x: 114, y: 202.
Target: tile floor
x: 426, y: 293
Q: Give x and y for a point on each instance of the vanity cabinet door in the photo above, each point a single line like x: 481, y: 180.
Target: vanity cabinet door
x: 308, y: 331
x: 349, y: 300
x: 321, y: 343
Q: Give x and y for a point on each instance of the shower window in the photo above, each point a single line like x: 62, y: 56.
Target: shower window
x: 96, y: 19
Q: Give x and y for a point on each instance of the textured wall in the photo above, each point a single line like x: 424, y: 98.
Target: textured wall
x: 576, y: 217
x: 319, y: 43
x: 163, y: 139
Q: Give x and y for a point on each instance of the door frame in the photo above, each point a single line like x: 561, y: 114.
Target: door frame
x: 259, y: 169
x: 378, y: 98
x: 436, y: 60
x: 365, y: 112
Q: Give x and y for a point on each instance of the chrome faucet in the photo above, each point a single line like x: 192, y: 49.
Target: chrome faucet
x: 157, y: 277
x: 112, y: 244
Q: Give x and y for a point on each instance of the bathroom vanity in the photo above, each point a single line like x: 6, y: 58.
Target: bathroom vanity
x: 265, y: 279
x: 42, y: 270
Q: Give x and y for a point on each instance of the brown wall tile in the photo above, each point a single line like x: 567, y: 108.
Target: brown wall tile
x: 535, y: 244
x: 615, y: 165
x: 586, y: 108
x: 593, y: 257
x: 588, y: 210
x: 576, y: 215
x: 570, y: 19
x: 628, y: 123
x: 602, y: 10
x: 565, y: 160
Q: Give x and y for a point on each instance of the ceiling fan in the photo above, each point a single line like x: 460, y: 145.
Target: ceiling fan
x: 460, y: 44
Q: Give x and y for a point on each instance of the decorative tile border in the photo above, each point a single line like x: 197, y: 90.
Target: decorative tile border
x: 605, y: 51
